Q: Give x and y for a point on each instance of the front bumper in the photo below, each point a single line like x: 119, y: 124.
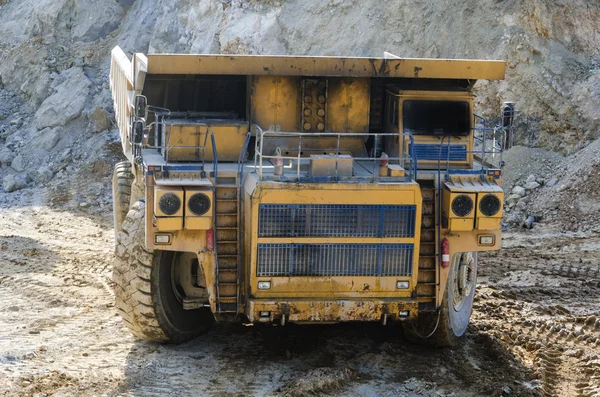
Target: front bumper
x: 327, y: 311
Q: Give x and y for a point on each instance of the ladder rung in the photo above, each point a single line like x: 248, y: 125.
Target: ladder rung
x: 226, y: 228
x: 227, y: 283
x: 226, y: 241
x: 227, y: 256
x: 228, y: 299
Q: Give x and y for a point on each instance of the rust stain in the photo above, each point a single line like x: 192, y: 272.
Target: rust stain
x: 417, y: 70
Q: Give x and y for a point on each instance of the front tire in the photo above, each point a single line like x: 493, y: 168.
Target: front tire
x: 145, y: 293
x: 446, y: 327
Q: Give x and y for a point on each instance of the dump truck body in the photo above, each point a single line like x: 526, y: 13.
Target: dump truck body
x: 310, y: 189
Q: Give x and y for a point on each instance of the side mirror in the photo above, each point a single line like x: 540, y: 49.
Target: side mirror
x: 141, y: 106
x: 138, y: 132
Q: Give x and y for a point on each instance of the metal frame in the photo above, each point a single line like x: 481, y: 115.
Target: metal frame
x: 406, y: 158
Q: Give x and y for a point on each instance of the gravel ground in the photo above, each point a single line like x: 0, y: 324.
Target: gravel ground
x: 535, y: 329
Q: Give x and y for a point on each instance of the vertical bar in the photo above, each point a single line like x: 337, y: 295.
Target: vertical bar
x: 299, y: 152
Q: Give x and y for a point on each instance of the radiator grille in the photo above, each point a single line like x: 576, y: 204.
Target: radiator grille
x: 336, y: 220
x: 433, y: 152
x: 335, y: 260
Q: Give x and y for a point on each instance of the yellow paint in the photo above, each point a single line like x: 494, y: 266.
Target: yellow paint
x: 484, y: 223
x: 229, y: 139
x: 325, y: 66
x: 396, y: 170
x: 198, y: 222
x: 460, y: 224
x: 169, y: 224
x: 348, y: 105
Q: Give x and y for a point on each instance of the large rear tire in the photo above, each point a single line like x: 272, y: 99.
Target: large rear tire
x: 122, y: 183
x: 146, y: 291
x: 446, y: 327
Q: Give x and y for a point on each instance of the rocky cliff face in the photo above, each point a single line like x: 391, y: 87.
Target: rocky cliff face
x: 54, y: 57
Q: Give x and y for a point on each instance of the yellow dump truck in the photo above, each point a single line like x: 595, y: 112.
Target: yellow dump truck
x: 276, y: 189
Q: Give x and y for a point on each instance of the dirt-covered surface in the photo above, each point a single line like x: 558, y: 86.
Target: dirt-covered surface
x: 535, y: 330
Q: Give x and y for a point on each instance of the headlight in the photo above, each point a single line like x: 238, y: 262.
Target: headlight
x: 199, y: 203
x: 489, y: 205
x: 169, y: 203
x: 462, y: 205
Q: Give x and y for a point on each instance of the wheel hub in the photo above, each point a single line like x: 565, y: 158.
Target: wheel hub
x: 463, y: 280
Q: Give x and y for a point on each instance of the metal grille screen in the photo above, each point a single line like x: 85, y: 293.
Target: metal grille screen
x: 336, y: 220
x: 335, y: 260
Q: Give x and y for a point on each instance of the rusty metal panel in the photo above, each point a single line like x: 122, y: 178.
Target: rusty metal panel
x: 314, y: 105
x: 275, y: 102
x: 325, y: 66
x: 348, y: 105
x: 184, y: 140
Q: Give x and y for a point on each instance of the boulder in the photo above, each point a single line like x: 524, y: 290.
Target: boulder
x: 532, y: 185
x: 530, y: 178
x: 67, y: 102
x: 513, y: 198
x: 519, y: 190
x: 49, y: 137
x: 11, y: 183
x: 18, y: 164
x: 552, y: 182
x: 6, y: 156
x: 44, y: 174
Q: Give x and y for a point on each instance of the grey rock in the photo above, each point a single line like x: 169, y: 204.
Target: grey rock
x: 530, y: 178
x: 6, y: 156
x: 49, y: 137
x: 43, y: 174
x: 532, y: 185
x: 18, y: 163
x: 12, y: 183
x: 67, y: 102
x: 8, y: 132
x: 541, y: 181
x: 564, y: 187
x: 519, y: 190
x: 513, y: 198
x: 552, y: 182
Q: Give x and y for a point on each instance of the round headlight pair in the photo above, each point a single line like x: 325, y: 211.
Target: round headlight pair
x: 198, y: 204
x: 489, y: 205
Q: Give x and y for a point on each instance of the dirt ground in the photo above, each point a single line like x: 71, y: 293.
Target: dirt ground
x: 535, y: 329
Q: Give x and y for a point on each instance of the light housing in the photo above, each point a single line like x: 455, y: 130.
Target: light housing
x: 199, y: 203
x: 264, y: 285
x: 169, y: 204
x: 485, y: 239
x: 462, y: 205
x: 402, y: 284
x: 162, y: 239
x: 489, y: 204
x: 403, y: 313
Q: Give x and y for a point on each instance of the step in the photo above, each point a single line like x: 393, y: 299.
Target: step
x: 227, y: 234
x: 428, y: 222
x: 228, y: 299
x: 227, y: 289
x: 427, y: 248
x: 227, y: 276
x: 226, y: 220
x: 228, y: 261
x: 428, y: 236
x: 226, y: 193
x: 227, y: 207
